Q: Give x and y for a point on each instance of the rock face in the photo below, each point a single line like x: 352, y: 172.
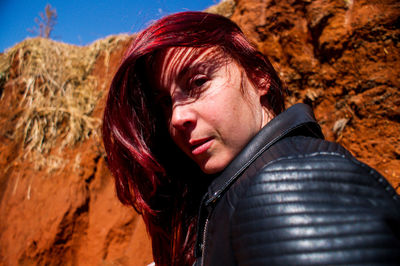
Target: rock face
x: 343, y: 58
x: 58, y: 204
x: 57, y: 198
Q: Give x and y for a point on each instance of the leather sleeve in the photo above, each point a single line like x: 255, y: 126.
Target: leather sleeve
x: 316, y: 209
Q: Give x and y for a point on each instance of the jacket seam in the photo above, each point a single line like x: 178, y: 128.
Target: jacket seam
x: 357, y: 220
x: 330, y: 236
x: 310, y: 191
x: 334, y: 250
x: 381, y: 180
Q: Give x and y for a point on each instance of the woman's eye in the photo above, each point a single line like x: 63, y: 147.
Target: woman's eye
x: 198, y: 81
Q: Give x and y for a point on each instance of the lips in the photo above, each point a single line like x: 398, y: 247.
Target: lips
x: 199, y: 146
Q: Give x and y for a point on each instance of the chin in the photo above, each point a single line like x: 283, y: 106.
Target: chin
x: 212, y: 169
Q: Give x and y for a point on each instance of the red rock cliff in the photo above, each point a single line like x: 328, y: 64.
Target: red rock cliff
x: 343, y: 58
x: 57, y: 198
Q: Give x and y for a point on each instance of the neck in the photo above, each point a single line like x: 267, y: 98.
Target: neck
x: 266, y: 116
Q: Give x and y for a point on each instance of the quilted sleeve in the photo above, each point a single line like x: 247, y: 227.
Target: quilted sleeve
x: 316, y: 210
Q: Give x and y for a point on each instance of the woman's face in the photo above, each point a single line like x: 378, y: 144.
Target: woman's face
x: 211, y: 108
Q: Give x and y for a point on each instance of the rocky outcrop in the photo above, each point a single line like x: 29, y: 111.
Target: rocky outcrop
x: 57, y: 199
x: 343, y: 58
x: 58, y: 202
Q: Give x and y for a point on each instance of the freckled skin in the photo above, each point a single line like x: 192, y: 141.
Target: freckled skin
x: 213, y: 126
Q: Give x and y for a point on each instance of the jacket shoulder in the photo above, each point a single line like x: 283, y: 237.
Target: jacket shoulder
x: 309, y: 201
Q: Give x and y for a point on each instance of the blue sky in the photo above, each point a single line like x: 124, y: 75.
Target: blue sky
x: 82, y: 22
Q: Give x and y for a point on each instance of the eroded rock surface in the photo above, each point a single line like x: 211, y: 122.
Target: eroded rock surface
x: 59, y: 207
x: 341, y: 57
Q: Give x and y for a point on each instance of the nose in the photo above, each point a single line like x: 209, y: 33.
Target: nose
x: 183, y: 117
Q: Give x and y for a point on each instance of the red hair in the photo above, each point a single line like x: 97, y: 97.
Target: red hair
x: 151, y: 173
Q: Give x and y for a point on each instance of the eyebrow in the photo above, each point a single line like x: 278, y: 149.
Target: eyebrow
x: 190, y: 69
x: 204, y: 64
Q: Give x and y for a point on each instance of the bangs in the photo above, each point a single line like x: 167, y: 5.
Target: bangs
x: 179, y: 61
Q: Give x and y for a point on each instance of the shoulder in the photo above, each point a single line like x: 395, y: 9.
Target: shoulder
x: 309, y: 170
x: 303, y: 160
x: 309, y: 200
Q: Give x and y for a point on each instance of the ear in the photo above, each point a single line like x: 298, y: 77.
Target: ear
x: 265, y: 84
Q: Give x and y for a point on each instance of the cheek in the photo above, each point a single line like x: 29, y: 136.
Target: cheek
x: 244, y: 121
x: 223, y: 115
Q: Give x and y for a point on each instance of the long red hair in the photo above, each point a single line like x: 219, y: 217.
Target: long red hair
x: 151, y: 173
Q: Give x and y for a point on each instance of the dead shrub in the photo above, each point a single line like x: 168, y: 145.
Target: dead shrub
x: 59, y: 93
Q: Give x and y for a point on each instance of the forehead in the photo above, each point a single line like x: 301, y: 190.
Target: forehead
x: 175, y: 62
x: 180, y: 57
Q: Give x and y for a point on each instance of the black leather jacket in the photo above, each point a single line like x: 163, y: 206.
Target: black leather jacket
x: 292, y: 198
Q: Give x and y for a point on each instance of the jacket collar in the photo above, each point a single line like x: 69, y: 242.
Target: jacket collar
x: 299, y: 116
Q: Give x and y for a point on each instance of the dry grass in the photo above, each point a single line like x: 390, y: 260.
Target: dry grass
x: 224, y: 8
x: 59, y: 93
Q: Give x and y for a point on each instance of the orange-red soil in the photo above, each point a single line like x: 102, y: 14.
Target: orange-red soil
x: 341, y: 57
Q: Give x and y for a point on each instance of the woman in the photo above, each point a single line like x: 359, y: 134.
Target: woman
x: 198, y: 143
